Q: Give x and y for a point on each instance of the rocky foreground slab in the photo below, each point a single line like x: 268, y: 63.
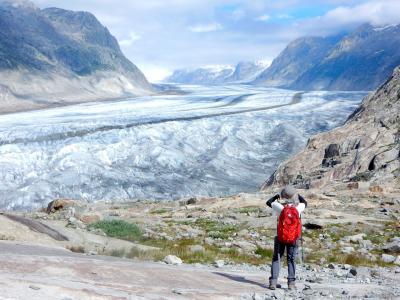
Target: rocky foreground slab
x: 37, y: 272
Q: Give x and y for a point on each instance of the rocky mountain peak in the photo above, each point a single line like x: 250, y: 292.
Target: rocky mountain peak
x: 82, y: 26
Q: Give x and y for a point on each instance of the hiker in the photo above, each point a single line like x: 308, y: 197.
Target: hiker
x: 288, y: 233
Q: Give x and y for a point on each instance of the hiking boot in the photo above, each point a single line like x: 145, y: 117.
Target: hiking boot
x: 292, y: 285
x: 272, y: 286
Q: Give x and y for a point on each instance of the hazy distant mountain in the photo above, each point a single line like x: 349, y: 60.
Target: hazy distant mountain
x: 205, y: 75
x: 246, y: 71
x: 57, y: 55
x: 360, y: 60
x: 241, y: 73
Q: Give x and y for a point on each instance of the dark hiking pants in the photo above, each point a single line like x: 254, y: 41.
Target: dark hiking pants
x: 279, y: 250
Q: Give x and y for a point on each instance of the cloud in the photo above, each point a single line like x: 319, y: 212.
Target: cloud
x: 199, y: 28
x: 375, y: 12
x: 263, y: 18
x: 238, y: 14
x: 155, y: 73
x: 284, y: 16
x: 164, y: 35
x: 133, y: 37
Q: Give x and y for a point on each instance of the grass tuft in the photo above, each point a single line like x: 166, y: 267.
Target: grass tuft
x: 264, y: 253
x: 159, y: 211
x: 215, y: 229
x: 119, y: 229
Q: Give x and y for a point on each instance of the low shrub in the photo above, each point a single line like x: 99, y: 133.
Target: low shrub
x: 119, y: 229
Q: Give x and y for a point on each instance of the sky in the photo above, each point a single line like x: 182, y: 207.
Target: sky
x: 160, y: 36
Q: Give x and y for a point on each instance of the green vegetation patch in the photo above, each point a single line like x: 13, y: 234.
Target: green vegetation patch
x: 119, y: 229
x: 383, y: 235
x: 248, y: 209
x: 215, y: 229
x: 264, y: 253
x: 159, y: 211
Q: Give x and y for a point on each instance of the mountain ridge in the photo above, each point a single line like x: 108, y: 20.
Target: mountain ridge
x: 54, y: 56
x: 359, y: 60
x: 284, y: 69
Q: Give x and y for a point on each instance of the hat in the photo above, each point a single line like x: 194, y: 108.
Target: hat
x: 287, y: 193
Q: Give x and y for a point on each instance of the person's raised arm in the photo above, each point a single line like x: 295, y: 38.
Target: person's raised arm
x: 302, y: 200
x: 269, y: 202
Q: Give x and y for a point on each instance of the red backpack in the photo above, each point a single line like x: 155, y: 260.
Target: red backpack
x: 289, y: 225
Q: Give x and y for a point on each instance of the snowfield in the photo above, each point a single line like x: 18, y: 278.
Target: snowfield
x: 214, y: 140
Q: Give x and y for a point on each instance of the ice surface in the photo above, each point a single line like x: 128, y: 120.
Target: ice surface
x: 160, y: 147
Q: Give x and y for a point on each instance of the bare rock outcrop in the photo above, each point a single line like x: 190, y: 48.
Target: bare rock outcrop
x: 365, y: 149
x: 59, y: 204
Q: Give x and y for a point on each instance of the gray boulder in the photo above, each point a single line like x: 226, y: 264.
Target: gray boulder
x: 393, y: 246
x: 347, y: 250
x: 172, y: 260
x: 354, y: 238
x: 388, y: 258
x: 219, y: 263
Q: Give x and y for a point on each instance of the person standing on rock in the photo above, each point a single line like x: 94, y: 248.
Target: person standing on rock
x: 288, y: 233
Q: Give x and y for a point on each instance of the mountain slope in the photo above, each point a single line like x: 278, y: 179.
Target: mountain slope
x: 60, y: 56
x: 365, y: 149
x: 360, y: 60
x: 299, y: 56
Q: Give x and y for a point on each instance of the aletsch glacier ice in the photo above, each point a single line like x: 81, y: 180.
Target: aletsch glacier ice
x: 160, y: 147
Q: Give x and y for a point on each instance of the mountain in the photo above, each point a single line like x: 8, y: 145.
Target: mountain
x: 300, y: 55
x: 205, y: 75
x: 359, y: 60
x: 246, y: 71
x: 241, y: 73
x: 60, y: 56
x: 364, y: 152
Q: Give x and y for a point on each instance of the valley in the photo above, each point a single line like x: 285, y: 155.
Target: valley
x: 210, y: 141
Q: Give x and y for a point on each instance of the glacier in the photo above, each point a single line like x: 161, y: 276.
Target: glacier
x: 207, y: 141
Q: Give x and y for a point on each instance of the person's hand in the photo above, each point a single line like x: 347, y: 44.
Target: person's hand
x: 302, y: 200
x: 269, y: 202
